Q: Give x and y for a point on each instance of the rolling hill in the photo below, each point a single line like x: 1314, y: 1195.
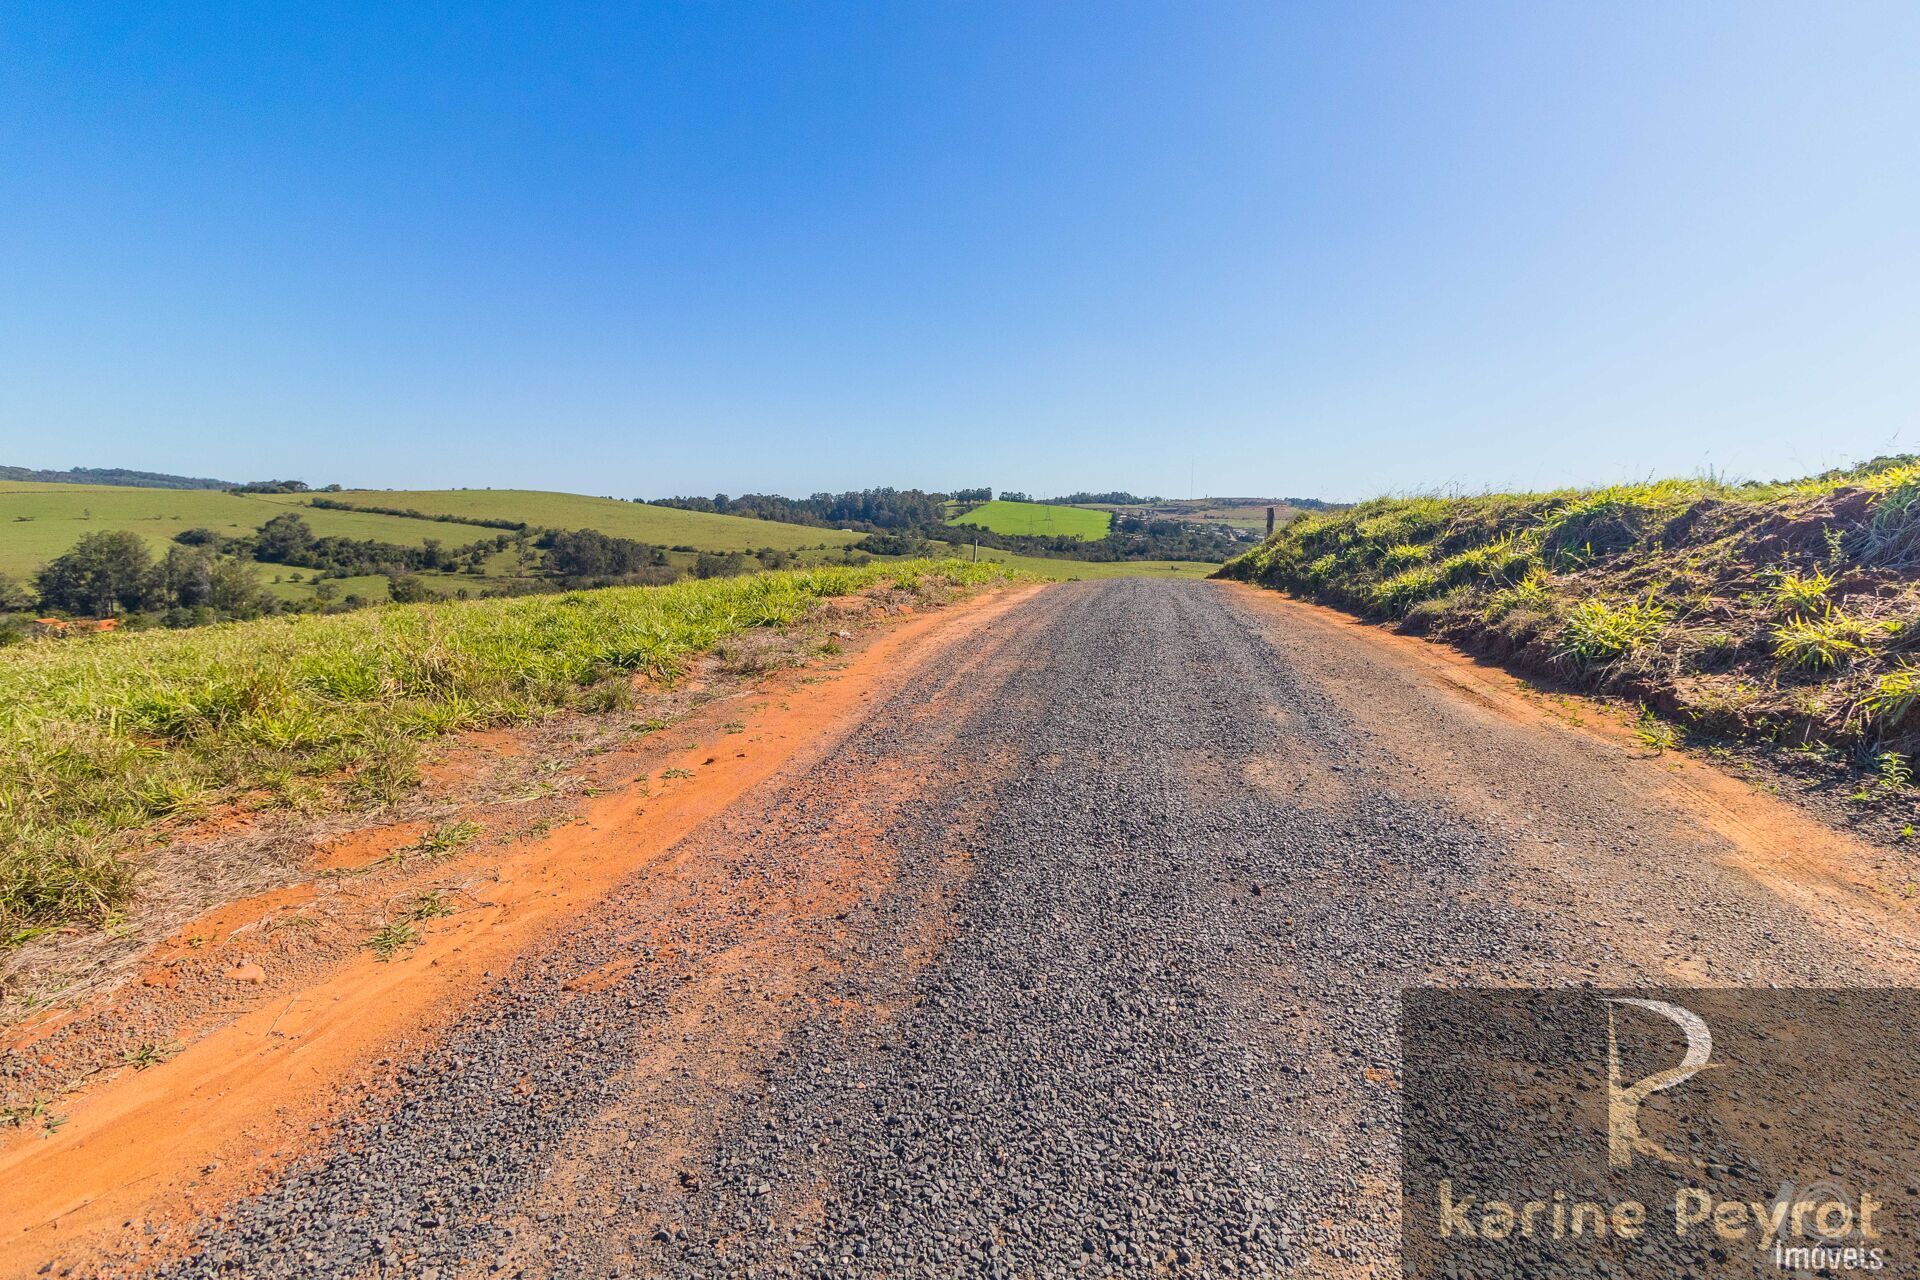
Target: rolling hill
x: 644, y: 522
x: 39, y: 521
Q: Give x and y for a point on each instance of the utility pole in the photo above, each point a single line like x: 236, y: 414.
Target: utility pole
x: 1269, y: 522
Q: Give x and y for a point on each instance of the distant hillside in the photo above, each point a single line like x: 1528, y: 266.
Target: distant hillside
x: 40, y: 521
x: 647, y: 522
x: 113, y: 475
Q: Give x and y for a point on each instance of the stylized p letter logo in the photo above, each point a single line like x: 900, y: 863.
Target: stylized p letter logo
x: 1623, y: 1101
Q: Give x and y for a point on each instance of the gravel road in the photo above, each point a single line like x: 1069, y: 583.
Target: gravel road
x: 1081, y: 955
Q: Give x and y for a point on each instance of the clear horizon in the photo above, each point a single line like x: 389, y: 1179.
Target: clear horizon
x: 1319, y: 252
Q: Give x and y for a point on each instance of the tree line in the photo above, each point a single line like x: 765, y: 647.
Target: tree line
x: 866, y: 510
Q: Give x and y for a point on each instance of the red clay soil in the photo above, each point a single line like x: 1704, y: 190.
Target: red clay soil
x: 283, y: 1013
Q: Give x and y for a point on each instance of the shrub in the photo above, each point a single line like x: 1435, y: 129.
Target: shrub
x: 1895, y: 526
x: 1610, y: 519
x: 1323, y: 567
x: 1534, y: 591
x: 1398, y: 520
x: 1502, y: 560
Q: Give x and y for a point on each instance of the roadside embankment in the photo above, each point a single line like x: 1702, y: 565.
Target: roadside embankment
x: 1780, y: 613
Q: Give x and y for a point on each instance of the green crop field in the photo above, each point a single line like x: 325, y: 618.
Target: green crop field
x: 40, y: 521
x: 643, y: 522
x: 1039, y: 519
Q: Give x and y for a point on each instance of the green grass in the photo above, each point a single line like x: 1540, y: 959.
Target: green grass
x: 443, y: 840
x: 1655, y: 734
x: 101, y: 737
x: 430, y: 906
x: 1240, y: 515
x: 40, y: 521
x: 1039, y: 519
x: 1892, y: 698
x: 149, y: 1054
x: 57, y: 517
x: 643, y: 522
x: 1803, y: 593
x: 371, y: 587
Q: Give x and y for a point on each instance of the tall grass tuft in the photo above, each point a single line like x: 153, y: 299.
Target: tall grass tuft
x: 1596, y: 632
x: 1817, y: 644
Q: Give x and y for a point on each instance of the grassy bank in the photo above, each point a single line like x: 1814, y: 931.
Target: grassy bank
x: 106, y: 735
x: 1784, y: 612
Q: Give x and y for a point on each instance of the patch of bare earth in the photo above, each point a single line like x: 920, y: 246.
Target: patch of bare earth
x: 175, y: 1063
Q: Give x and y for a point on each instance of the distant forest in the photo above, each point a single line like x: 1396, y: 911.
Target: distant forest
x: 113, y: 475
x: 155, y: 480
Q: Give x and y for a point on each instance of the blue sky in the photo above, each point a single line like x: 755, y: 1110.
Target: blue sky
x: 648, y: 249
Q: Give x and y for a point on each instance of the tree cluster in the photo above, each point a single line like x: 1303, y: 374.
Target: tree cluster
x: 289, y: 540
x: 105, y: 574
x: 584, y: 556
x: 864, y: 509
x: 1115, y: 498
x: 114, y: 476
x: 272, y: 486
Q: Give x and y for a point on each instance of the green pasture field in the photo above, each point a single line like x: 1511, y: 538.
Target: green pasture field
x: 371, y: 587
x: 41, y: 521
x: 643, y: 522
x: 1039, y: 519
